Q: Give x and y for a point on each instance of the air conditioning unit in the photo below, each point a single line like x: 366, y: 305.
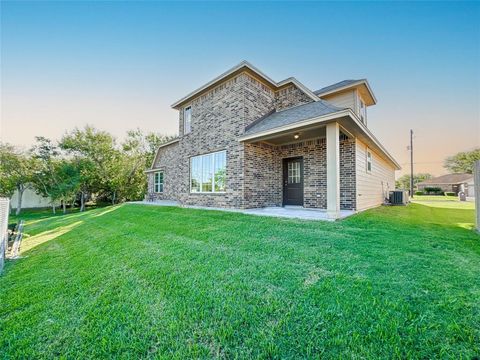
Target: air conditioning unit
x: 398, y: 197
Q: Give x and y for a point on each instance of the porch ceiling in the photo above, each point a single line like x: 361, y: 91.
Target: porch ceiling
x: 295, y: 135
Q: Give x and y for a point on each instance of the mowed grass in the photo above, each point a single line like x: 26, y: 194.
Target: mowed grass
x: 137, y: 281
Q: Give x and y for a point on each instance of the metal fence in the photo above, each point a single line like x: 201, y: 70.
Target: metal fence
x: 4, y: 210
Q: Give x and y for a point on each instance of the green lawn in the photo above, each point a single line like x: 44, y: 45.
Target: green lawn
x: 138, y: 281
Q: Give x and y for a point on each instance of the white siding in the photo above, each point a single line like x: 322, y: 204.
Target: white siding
x: 372, y: 187
x: 30, y: 199
x: 346, y: 99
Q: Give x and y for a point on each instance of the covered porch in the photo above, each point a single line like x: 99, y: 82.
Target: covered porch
x: 311, y: 168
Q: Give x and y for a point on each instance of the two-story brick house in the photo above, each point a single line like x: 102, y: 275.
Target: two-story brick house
x: 246, y: 141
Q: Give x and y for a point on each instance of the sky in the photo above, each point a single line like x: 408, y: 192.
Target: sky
x: 120, y: 65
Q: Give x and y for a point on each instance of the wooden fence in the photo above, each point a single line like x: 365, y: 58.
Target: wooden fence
x: 4, y: 210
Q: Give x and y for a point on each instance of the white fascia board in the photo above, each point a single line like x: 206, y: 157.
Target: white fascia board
x: 355, y: 84
x: 152, y: 170
x: 252, y: 68
x: 319, y: 120
x: 300, y: 86
x: 373, y: 138
x: 224, y: 75
x: 296, y: 125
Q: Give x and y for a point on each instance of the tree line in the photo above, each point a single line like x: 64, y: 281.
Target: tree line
x: 84, y: 165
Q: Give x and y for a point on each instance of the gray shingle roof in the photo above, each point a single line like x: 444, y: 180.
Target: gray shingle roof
x: 448, y: 179
x: 335, y: 86
x: 291, y: 115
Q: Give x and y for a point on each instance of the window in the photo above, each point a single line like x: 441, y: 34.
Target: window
x: 363, y: 112
x: 158, y: 182
x: 187, y: 120
x: 207, y: 172
x: 369, y: 161
x: 294, y: 172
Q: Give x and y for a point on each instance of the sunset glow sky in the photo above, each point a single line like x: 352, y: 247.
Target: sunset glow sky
x: 119, y: 65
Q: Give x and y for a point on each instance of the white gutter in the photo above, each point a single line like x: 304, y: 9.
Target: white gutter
x: 311, y: 121
x: 373, y: 138
x: 319, y: 120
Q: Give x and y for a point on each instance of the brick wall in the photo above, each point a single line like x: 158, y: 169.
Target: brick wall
x: 348, y: 185
x: 264, y: 173
x: 290, y: 96
x: 254, y: 171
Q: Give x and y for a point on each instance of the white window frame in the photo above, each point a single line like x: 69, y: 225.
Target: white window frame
x: 160, y: 185
x: 363, y: 111
x: 213, y: 177
x: 368, y: 161
x: 187, y: 126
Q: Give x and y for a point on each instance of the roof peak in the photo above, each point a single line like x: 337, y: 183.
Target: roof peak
x: 234, y: 70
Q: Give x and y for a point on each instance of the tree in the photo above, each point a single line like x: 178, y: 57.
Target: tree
x: 138, y: 151
x: 94, y: 153
x: 45, y: 181
x: 56, y: 177
x: 404, y: 181
x: 68, y: 177
x: 16, y: 171
x: 462, y: 162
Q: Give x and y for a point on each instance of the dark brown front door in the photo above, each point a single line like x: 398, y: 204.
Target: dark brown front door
x: 293, y: 181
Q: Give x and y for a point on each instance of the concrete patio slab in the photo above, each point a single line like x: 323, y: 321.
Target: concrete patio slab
x: 294, y: 212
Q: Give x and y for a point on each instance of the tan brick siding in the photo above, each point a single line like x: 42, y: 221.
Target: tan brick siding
x: 254, y: 172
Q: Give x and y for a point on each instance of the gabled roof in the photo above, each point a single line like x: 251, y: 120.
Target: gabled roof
x: 291, y: 116
x: 244, y: 65
x: 361, y: 84
x: 340, y: 84
x: 447, y: 179
x: 168, y: 143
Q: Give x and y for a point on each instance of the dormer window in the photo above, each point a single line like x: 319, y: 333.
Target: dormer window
x: 363, y: 112
x: 187, y: 120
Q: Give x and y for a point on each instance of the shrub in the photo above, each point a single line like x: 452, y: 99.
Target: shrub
x: 433, y: 190
x: 418, y: 192
x: 449, y: 193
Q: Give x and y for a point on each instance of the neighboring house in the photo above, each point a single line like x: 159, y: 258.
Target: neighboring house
x: 30, y: 200
x: 246, y: 141
x: 451, y: 183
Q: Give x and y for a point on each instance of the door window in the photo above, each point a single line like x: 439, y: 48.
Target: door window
x: 294, y: 176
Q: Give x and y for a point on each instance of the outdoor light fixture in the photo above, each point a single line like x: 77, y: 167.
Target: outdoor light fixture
x: 296, y: 136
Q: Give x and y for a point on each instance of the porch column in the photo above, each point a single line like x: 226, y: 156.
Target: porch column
x: 333, y: 171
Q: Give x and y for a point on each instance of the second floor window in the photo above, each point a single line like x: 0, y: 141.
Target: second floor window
x: 187, y: 120
x: 363, y: 112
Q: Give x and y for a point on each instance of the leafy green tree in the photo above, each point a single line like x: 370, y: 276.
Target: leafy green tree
x: 404, y: 181
x: 68, y: 176
x: 56, y: 177
x: 45, y: 181
x: 138, y: 151
x: 462, y: 162
x: 16, y: 172
x: 95, y: 153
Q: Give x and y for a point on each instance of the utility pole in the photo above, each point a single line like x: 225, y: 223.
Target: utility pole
x: 411, y: 163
